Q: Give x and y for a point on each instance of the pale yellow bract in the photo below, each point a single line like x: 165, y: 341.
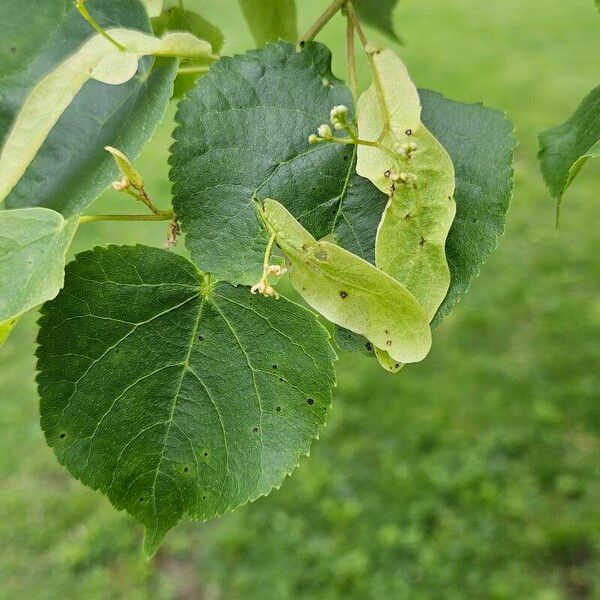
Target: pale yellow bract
x: 96, y: 59
x: 350, y: 291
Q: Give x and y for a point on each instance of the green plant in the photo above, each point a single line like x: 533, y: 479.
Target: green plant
x: 178, y: 385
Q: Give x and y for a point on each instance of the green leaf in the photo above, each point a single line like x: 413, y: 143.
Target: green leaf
x: 270, y: 20
x: 243, y: 137
x: 481, y: 143
x: 71, y: 168
x: 5, y: 329
x: 411, y: 238
x: 33, y: 245
x: 171, y: 394
x: 175, y: 19
x: 349, y: 291
x: 379, y: 14
x: 566, y: 148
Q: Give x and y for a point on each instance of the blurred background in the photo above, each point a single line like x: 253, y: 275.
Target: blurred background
x: 475, y: 474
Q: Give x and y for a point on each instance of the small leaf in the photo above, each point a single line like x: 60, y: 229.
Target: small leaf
x: 349, y: 291
x: 33, y: 245
x: 127, y: 169
x: 71, y: 167
x: 243, y: 137
x: 271, y: 20
x: 411, y: 238
x: 566, y: 148
x: 5, y: 329
x: 175, y: 19
x: 171, y: 394
x: 379, y: 14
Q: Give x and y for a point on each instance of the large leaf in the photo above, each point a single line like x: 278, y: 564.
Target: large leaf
x: 379, y: 14
x: 351, y: 292
x: 243, y: 137
x: 33, y: 245
x: 270, y: 20
x: 175, y: 19
x: 174, y: 395
x: 71, y: 168
x: 566, y: 148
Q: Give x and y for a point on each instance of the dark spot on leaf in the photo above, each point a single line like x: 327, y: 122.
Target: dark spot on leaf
x: 203, y: 497
x: 186, y: 469
x: 274, y: 367
x: 13, y: 50
x: 278, y: 408
x: 397, y: 365
x: 369, y: 347
x: 474, y: 220
x: 310, y: 401
x: 201, y: 338
x: 409, y: 132
x: 343, y: 294
x: 281, y: 380
x: 302, y: 44
x: 141, y: 499
x: 62, y: 436
x: 255, y: 429
x: 407, y: 216
x: 422, y: 242
x: 388, y: 343
x: 386, y: 332
x: 205, y: 453
x: 387, y: 173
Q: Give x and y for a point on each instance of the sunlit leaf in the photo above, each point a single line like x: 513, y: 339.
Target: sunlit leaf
x: 171, y: 394
x: 33, y: 245
x: 5, y: 329
x: 271, y: 20
x: 351, y: 292
x: 566, y: 148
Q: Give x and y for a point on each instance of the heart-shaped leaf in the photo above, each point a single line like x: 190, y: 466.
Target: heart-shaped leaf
x: 71, y: 168
x: 243, y: 137
x: 172, y: 394
x: 351, y: 292
x: 33, y: 245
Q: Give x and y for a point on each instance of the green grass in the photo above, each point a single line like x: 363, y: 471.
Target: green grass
x: 472, y: 475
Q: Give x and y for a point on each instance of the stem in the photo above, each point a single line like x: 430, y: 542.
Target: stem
x: 93, y: 218
x: 267, y: 258
x: 86, y: 15
x: 358, y: 141
x: 385, y: 115
x: 352, y: 79
x: 193, y: 70
x: 329, y: 13
x: 143, y: 197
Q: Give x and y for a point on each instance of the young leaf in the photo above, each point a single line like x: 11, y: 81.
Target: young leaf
x: 175, y: 19
x: 243, y: 137
x: 71, y: 168
x: 270, y: 20
x: 566, y: 148
x: 171, y: 394
x: 5, y: 329
x: 349, y: 291
x: 33, y: 245
x: 379, y: 14
x: 411, y: 238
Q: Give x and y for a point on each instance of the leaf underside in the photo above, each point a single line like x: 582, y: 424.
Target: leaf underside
x: 69, y: 171
x: 33, y: 245
x: 171, y: 395
x: 566, y: 148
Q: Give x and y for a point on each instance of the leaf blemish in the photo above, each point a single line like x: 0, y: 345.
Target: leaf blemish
x: 310, y: 401
x: 422, y: 242
x: 343, y: 294
x: 62, y: 436
x: 255, y: 429
x: 278, y: 408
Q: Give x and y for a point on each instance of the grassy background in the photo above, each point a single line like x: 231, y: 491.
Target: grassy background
x: 472, y: 475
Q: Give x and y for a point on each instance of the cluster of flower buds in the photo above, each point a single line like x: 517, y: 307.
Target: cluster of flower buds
x: 405, y: 150
x: 263, y: 287
x: 401, y: 177
x: 339, y: 120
